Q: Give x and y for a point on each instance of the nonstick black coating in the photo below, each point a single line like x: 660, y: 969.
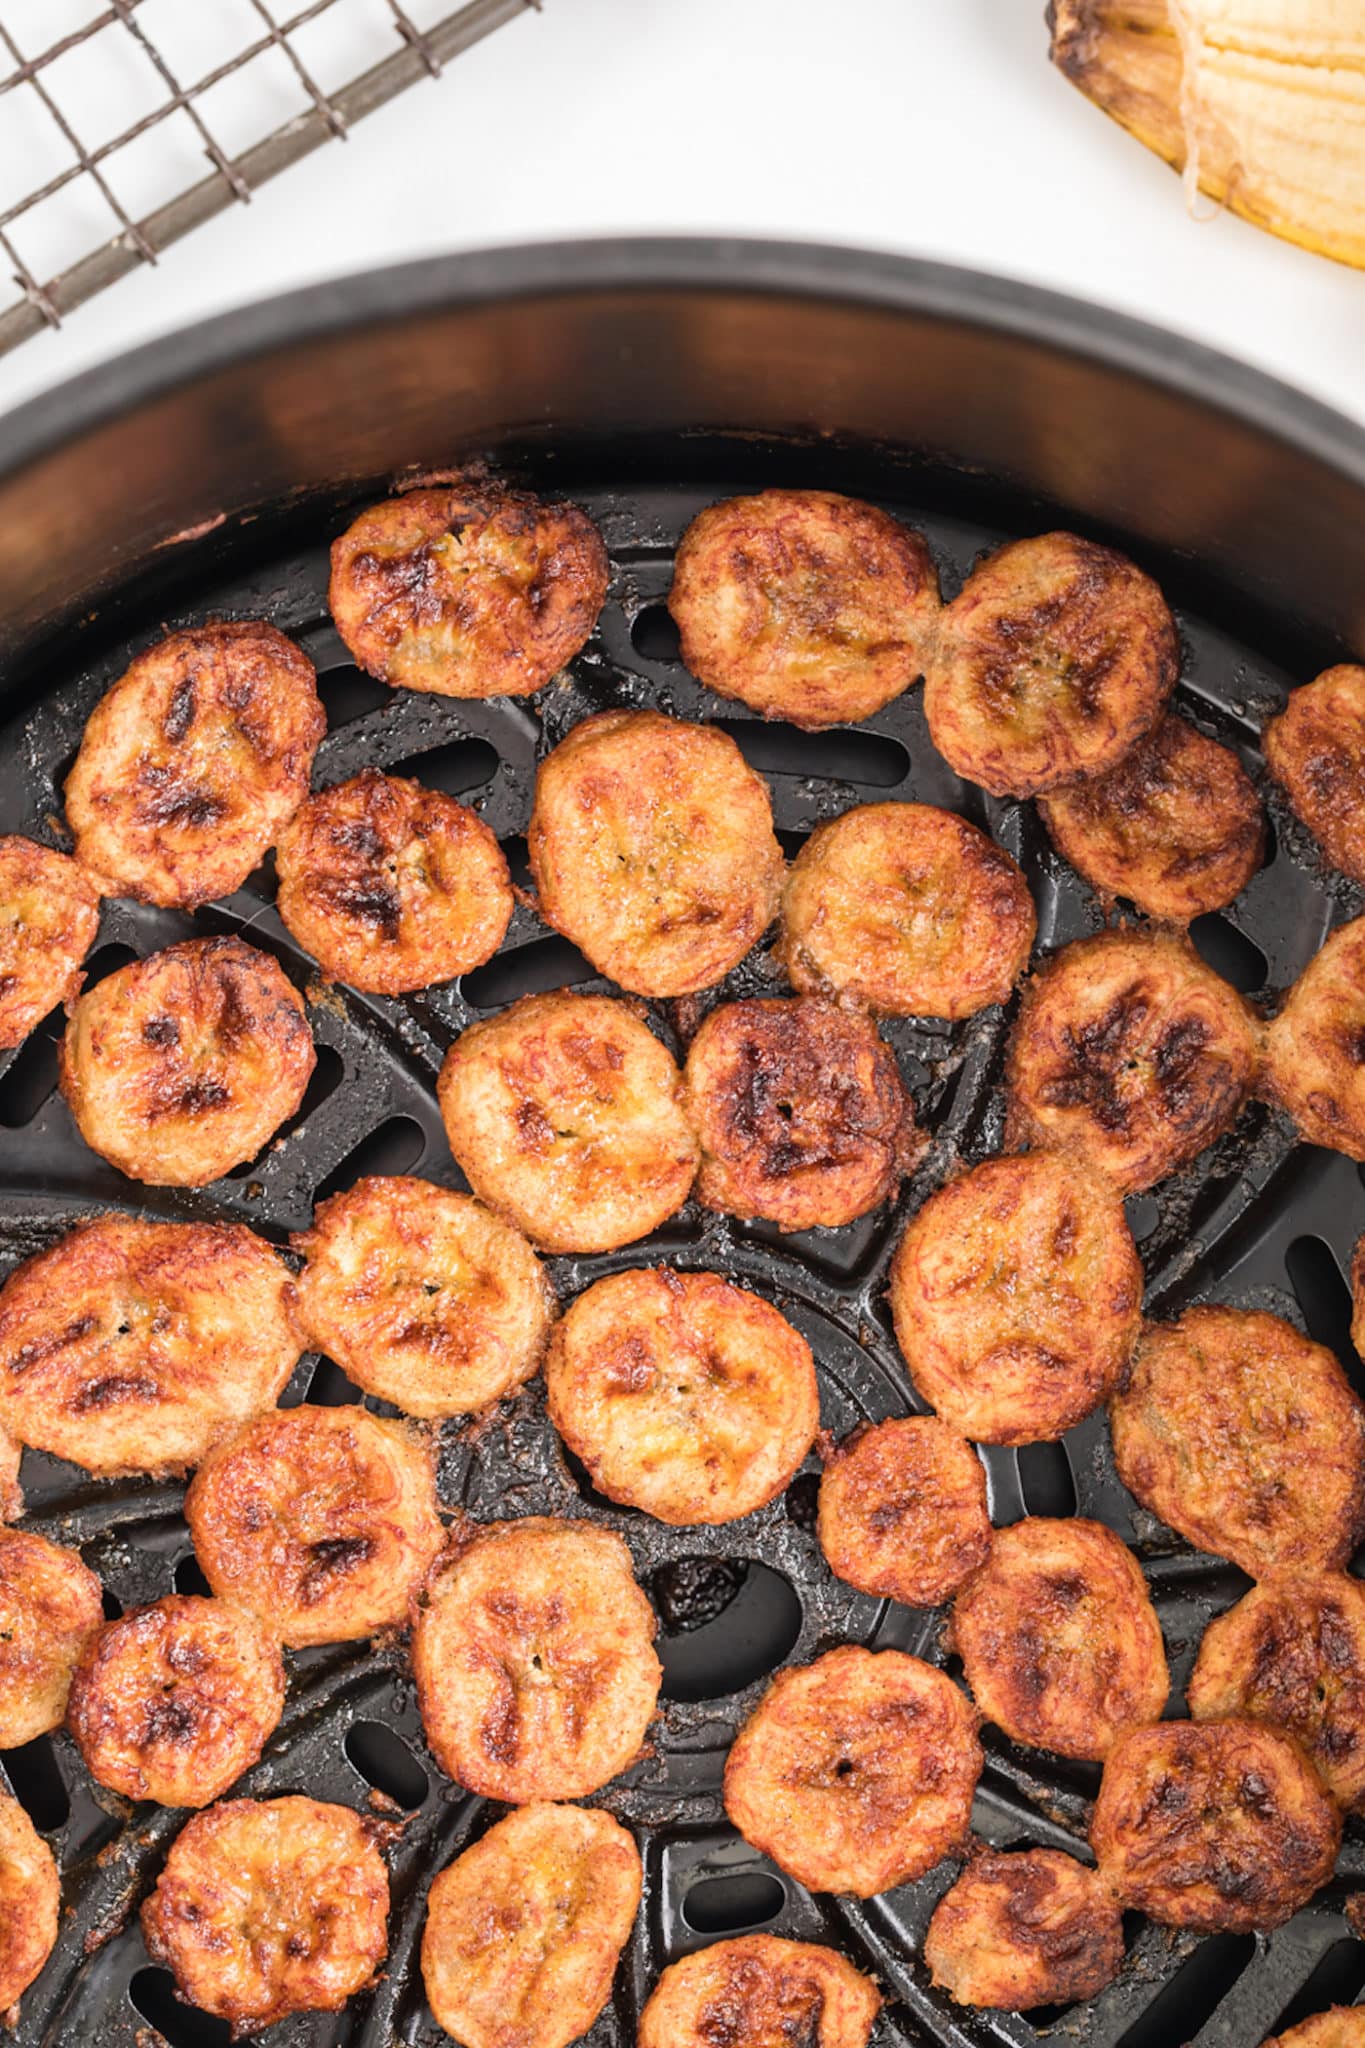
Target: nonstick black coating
x: 1256, y: 1221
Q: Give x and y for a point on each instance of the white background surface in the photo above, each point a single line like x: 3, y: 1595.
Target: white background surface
x: 932, y: 127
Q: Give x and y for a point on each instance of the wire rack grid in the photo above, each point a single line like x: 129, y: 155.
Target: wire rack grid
x: 98, y: 126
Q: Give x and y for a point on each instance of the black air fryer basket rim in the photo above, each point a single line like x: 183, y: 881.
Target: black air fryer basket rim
x: 1254, y: 1201
x: 815, y: 270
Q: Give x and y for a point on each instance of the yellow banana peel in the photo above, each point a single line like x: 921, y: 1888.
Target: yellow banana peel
x: 1261, y: 103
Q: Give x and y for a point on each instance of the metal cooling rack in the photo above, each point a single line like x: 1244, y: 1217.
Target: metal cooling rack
x: 97, y: 123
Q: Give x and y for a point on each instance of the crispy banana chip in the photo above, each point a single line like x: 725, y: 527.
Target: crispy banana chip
x: 524, y: 1930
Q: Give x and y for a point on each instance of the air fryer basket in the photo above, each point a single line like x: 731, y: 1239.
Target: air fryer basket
x: 644, y: 381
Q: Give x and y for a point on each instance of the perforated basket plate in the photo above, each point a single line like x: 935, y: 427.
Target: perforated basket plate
x: 1257, y: 1221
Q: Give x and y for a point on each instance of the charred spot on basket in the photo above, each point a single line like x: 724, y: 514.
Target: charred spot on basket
x: 693, y: 1591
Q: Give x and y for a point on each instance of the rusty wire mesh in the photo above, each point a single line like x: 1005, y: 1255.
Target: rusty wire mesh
x: 104, y: 135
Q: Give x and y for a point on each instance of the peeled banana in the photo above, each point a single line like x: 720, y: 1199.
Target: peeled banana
x: 1261, y: 103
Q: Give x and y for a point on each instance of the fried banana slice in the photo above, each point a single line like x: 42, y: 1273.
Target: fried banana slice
x: 422, y: 1296
x: 534, y: 1654
x: 1219, y: 1826
x: 651, y: 843
x: 1292, y: 1654
x: 1016, y: 1294
x: 908, y: 909
x: 30, y: 1902
x: 1058, y: 1637
x: 193, y: 761
x: 392, y: 887
x: 1343, y: 2026
x: 762, y: 1992
x: 903, y: 1510
x: 804, y: 604
x: 132, y: 1346
x: 525, y: 1929
x: 49, y: 914
x: 682, y: 1394
x: 856, y: 1773
x: 174, y: 1701
x: 1053, y: 660
x: 1024, y: 1929
x: 469, y: 590
x: 1313, y: 1063
x: 270, y: 1906
x: 1176, y: 828
x: 50, y: 1607
x: 564, y: 1115
x: 1246, y: 1438
x: 801, y: 1111
x: 179, y: 1067
x: 1129, y: 1049
x: 1315, y: 750
x: 321, y: 1521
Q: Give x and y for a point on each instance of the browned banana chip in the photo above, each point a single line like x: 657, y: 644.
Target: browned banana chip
x: 761, y: 1992
x: 422, y: 1296
x: 321, y: 1521
x: 525, y: 1929
x: 804, y: 605
x: 193, y: 761
x: 534, y: 1655
x: 908, y: 909
x: 1176, y: 828
x: 1316, y: 749
x: 30, y: 1902
x: 1058, y: 1637
x: 1017, y: 1296
x: 564, y: 1114
x: 49, y: 914
x: 270, y: 1906
x: 174, y: 1701
x: 1343, y: 2026
x: 180, y: 1066
x: 132, y: 1346
x: 682, y: 1394
x: 801, y: 1112
x: 651, y: 842
x: 1313, y: 1048
x: 856, y: 1773
x: 1055, y: 657
x: 50, y: 1607
x: 470, y: 590
x: 1129, y: 1049
x: 1024, y: 1929
x: 1220, y: 1826
x: 1293, y: 1654
x: 903, y: 1510
x: 1246, y: 1438
x: 391, y: 886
